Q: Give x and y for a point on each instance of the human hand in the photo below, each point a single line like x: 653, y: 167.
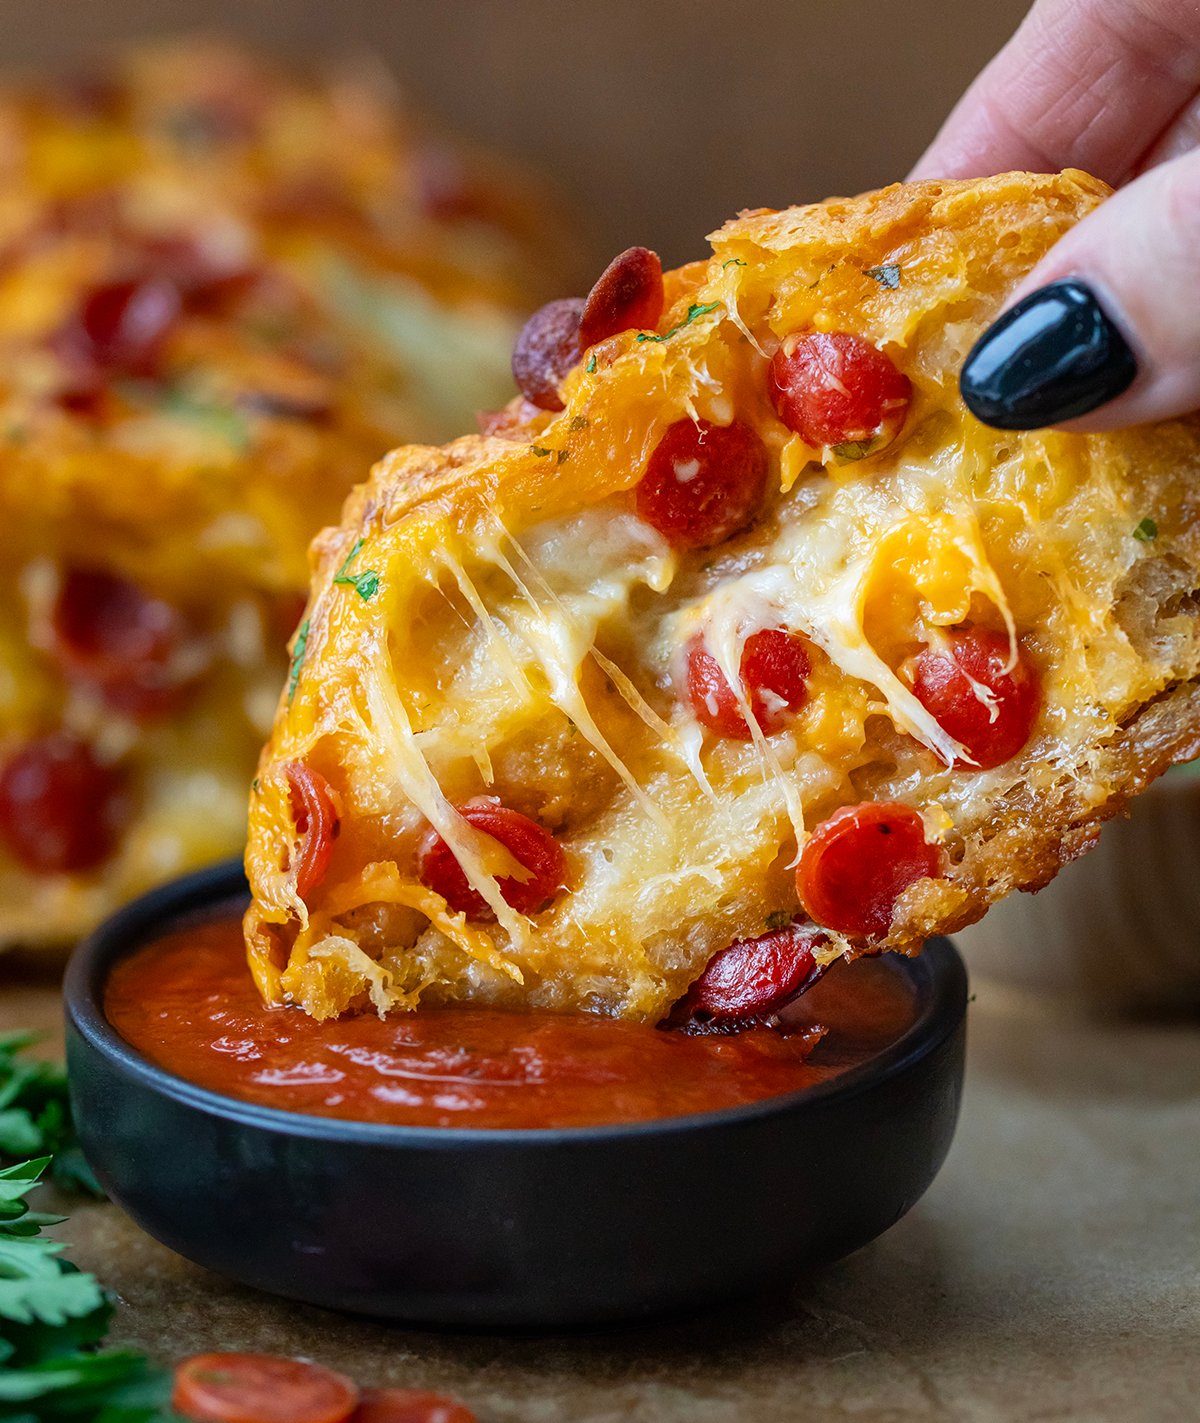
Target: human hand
x: 1105, y: 332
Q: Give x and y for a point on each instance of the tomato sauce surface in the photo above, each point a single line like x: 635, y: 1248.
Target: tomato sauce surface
x: 188, y: 1004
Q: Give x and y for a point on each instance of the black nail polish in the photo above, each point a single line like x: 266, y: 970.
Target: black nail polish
x: 1054, y: 356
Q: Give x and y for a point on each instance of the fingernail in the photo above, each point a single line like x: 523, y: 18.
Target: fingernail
x: 1054, y: 356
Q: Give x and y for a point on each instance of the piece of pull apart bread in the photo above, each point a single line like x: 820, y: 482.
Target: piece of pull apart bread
x: 737, y: 646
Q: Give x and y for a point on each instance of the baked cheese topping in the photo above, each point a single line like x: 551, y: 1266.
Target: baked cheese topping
x: 760, y: 635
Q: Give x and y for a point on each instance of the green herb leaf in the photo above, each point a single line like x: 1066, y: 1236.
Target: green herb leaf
x: 779, y: 918
x: 887, y: 276
x: 19, y: 1133
x: 733, y: 262
x: 560, y: 456
x: 578, y: 422
x: 1146, y: 531
x: 299, y: 647
x: 53, y: 1316
x: 35, y: 1116
x: 856, y: 449
x: 590, y: 368
x: 365, y: 584
x: 693, y: 312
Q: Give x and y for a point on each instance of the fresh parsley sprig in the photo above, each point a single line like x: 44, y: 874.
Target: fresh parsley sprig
x: 35, y: 1115
x: 53, y: 1318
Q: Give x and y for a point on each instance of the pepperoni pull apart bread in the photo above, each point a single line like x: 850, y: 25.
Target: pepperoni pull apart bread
x: 740, y: 646
x: 224, y: 291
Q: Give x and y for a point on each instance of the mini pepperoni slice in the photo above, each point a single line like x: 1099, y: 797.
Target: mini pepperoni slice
x: 774, y: 668
x: 753, y: 978
x: 261, y: 1388
x: 120, y: 329
x: 703, y: 483
x: 121, y: 641
x: 527, y: 842
x: 835, y: 388
x: 855, y: 865
x: 404, y: 1405
x: 546, y: 349
x: 317, y: 824
x: 968, y: 686
x: 628, y: 294
x: 205, y: 268
x: 61, y: 811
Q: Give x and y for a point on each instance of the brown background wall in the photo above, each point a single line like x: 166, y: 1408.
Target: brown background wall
x: 659, y: 117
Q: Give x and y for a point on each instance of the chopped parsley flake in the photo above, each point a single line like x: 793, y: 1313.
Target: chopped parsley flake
x: 365, y: 584
x: 298, y: 650
x: 856, y: 449
x: 779, y: 918
x: 733, y: 262
x: 560, y: 456
x: 1146, y: 531
x: 695, y: 310
x: 590, y: 368
x: 887, y: 276
x: 578, y: 422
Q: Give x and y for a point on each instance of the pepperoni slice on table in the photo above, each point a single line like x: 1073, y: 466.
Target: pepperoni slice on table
x: 546, y: 349
x: 703, y: 483
x: 834, y: 388
x: 316, y: 821
x: 261, y: 1388
x: 855, y: 865
x: 628, y: 294
x: 120, y: 329
x: 125, y: 644
x: 403, y: 1405
x: 61, y: 811
x: 968, y: 686
x: 774, y: 667
x: 752, y: 978
x: 524, y: 839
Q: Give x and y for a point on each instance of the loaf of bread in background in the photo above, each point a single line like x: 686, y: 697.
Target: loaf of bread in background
x: 225, y: 289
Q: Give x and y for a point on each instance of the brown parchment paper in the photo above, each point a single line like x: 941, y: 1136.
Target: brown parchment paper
x: 1051, y: 1273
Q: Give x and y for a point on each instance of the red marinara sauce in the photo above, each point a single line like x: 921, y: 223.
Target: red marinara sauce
x: 187, y: 1003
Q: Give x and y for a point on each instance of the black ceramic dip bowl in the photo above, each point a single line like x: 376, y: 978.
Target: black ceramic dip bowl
x: 541, y: 1227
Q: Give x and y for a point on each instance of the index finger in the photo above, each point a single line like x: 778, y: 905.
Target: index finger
x: 1082, y: 84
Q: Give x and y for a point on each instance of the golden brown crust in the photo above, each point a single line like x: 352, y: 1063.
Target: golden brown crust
x: 408, y: 702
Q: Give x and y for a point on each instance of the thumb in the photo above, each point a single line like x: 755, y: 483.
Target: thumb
x: 1105, y: 332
